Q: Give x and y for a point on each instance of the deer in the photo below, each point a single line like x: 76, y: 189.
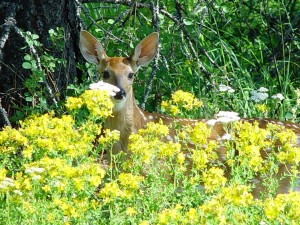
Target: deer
x: 128, y: 118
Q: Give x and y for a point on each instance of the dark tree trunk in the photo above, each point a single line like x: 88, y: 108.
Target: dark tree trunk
x: 38, y: 17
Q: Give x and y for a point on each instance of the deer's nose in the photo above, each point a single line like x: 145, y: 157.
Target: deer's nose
x: 120, y: 95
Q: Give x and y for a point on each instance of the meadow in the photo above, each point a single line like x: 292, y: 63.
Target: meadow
x: 53, y: 171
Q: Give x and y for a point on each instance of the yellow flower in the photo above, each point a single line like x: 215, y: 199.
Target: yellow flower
x: 200, y: 159
x: 46, y: 188
x: 154, y: 130
x: 191, y: 217
x: 74, y: 103
x: 283, y: 206
x: 186, y: 99
x: 167, y: 150
x: 110, y: 191
x: 3, y: 172
x: 130, y: 211
x: 200, y: 133
x: 179, y: 100
x: 78, y: 184
x: 130, y: 181
x: 170, y: 216
x: 262, y: 108
x: 109, y: 137
x: 213, y: 179
x: 174, y: 110
x: 29, y: 208
x: 180, y: 158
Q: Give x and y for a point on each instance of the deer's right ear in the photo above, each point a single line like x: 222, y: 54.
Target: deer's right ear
x: 90, y: 48
x: 145, y: 51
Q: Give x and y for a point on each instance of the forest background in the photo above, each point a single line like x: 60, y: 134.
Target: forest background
x: 222, y: 51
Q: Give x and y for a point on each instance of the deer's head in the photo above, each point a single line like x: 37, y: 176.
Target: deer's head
x: 118, y: 71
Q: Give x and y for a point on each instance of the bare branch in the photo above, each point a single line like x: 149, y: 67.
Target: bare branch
x: 9, y: 23
x: 121, y: 2
x: 3, y: 116
x: 155, y: 22
x: 85, y: 10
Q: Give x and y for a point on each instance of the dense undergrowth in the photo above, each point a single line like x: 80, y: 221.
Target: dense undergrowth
x: 52, y: 171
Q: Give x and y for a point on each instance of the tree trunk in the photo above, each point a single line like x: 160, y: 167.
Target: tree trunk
x: 38, y: 17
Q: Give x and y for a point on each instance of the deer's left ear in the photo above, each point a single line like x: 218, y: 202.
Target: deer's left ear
x: 145, y: 51
x: 90, y: 48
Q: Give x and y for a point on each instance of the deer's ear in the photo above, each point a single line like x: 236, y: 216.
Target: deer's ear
x: 90, y: 48
x: 145, y: 51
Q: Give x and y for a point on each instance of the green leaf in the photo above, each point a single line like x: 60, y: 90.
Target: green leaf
x: 110, y: 21
x: 29, y: 99
x: 187, y: 22
x: 27, y: 57
x: 51, y: 31
x: 26, y: 65
x: 35, y: 36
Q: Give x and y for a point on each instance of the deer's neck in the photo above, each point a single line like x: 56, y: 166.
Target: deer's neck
x: 129, y: 120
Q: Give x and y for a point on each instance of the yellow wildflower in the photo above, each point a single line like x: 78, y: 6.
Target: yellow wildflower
x: 200, y: 133
x: 74, y: 103
x: 130, y: 211
x: 200, y: 159
x: 283, y: 207
x: 179, y: 100
x: 213, y: 179
x: 168, y: 149
x: 130, y: 181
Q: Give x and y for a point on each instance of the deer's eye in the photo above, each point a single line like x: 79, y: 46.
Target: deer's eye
x: 130, y: 75
x: 105, y: 74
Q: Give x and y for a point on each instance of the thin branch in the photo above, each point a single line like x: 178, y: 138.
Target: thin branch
x: 189, y: 39
x: 34, y: 52
x: 155, y: 23
x: 3, y: 115
x: 9, y: 23
x: 85, y: 10
x: 121, y: 2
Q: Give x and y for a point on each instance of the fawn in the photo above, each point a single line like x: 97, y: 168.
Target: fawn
x: 128, y: 117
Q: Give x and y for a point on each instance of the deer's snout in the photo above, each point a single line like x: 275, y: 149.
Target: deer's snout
x: 120, y: 95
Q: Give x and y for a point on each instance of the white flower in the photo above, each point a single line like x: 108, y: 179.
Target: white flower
x: 36, y: 177
x: 278, y: 96
x: 113, y: 90
x: 7, y: 182
x: 17, y: 192
x: 227, y: 117
x: 224, y: 88
x: 262, y: 89
x: 34, y: 170
x: 258, y: 96
x: 226, y: 137
x: 211, y: 122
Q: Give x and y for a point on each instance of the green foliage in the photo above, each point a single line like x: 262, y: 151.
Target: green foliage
x: 41, y: 90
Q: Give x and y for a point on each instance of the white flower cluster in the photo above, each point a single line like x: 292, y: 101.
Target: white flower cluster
x: 113, y: 90
x: 34, y: 170
x: 7, y: 182
x: 225, y: 88
x: 224, y: 117
x: 227, y: 116
x: 259, y: 95
x: 278, y: 96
